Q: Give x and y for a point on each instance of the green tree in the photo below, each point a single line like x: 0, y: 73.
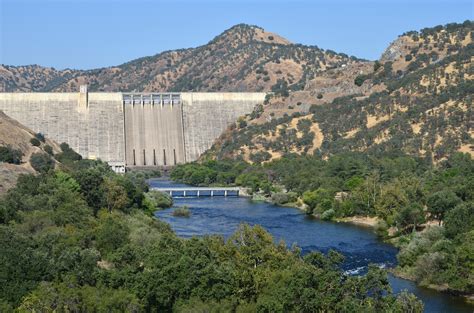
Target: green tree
x: 392, y: 199
x: 111, y: 233
x: 41, y: 162
x: 439, y: 203
x: 410, y: 215
x: 91, y: 183
x: 320, y: 200
x: 23, y: 266
x: 48, y: 149
x: 159, y: 199
x: 67, y: 155
x: 70, y: 297
x: 67, y: 181
x: 115, y: 195
x: 10, y: 155
x: 459, y: 220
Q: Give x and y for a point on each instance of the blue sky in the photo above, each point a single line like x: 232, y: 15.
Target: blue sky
x: 86, y: 34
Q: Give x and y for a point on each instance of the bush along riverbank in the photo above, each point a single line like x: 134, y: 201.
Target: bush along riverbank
x: 425, y: 209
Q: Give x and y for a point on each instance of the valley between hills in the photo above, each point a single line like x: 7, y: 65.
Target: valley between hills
x: 342, y: 138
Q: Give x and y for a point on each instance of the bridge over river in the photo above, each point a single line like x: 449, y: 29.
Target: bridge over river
x: 200, y: 191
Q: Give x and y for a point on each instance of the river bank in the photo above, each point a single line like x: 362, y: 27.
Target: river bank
x: 370, y: 223
x: 367, y: 221
x: 359, y: 245
x: 397, y: 272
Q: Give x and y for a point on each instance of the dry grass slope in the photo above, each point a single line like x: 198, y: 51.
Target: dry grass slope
x: 17, y: 136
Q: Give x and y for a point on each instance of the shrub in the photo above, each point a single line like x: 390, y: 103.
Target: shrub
x: 67, y: 154
x: 281, y: 88
x: 40, y: 137
x: 319, y: 200
x: 359, y: 80
x: 381, y: 229
x: 270, y: 38
x: 319, y: 96
x: 408, y: 57
x: 35, y: 142
x: 280, y: 198
x: 41, y: 162
x: 260, y: 156
x: 159, y: 199
x: 328, y: 215
x: 377, y: 65
x: 182, y: 212
x: 48, y: 149
x: 10, y: 155
x: 429, y: 264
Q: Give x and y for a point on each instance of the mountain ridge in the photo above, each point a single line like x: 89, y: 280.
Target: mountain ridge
x: 223, y: 64
x: 416, y: 99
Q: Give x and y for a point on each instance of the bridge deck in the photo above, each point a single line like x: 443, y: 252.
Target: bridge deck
x: 199, y: 191
x: 195, y: 188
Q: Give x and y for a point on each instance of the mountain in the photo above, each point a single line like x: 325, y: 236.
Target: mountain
x: 417, y: 99
x: 243, y: 58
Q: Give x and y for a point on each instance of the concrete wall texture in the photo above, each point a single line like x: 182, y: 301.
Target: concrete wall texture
x: 154, y: 134
x: 95, y: 131
x: 207, y: 115
x: 104, y: 126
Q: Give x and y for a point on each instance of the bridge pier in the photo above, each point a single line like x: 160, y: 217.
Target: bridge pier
x: 198, y: 193
x: 212, y: 193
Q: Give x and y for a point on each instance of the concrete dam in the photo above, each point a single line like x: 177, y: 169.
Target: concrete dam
x: 131, y: 129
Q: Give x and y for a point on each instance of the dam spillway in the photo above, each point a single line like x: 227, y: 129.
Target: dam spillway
x: 131, y: 129
x: 154, y: 130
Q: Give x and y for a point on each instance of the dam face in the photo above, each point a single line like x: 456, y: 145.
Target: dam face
x: 131, y: 129
x: 154, y: 130
x: 94, y: 129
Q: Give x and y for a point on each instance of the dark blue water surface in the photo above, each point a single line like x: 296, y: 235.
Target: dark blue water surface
x: 359, y: 245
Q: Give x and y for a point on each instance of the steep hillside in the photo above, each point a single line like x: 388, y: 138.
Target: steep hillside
x: 417, y: 99
x: 32, y: 78
x: 17, y: 139
x: 243, y: 58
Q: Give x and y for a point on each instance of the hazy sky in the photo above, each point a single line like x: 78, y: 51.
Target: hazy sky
x: 87, y: 34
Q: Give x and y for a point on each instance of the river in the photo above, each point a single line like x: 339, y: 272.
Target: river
x: 359, y: 245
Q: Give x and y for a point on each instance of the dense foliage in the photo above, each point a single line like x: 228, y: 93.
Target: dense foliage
x: 80, y: 239
x: 403, y: 192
